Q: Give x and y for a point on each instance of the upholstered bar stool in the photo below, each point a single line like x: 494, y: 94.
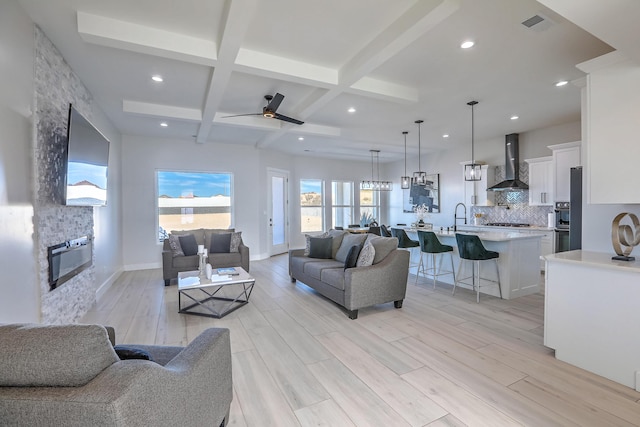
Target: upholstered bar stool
x: 430, y: 244
x: 470, y: 248
x: 404, y: 242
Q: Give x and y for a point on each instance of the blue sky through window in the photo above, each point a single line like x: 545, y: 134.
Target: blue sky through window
x: 310, y: 186
x: 197, y: 184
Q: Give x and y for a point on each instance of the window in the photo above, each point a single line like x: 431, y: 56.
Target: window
x: 369, y: 206
x: 342, y: 203
x: 311, y: 205
x: 188, y: 200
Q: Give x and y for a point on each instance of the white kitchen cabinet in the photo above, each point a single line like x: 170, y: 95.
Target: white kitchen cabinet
x: 610, y: 128
x: 541, y: 184
x: 475, y: 192
x: 565, y: 156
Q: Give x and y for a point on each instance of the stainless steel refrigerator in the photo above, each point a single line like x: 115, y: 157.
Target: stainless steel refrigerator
x: 575, y: 210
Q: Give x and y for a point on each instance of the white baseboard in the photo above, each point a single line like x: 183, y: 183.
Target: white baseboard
x: 102, y: 289
x: 148, y: 266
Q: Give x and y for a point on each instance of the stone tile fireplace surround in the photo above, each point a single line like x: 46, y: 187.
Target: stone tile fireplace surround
x: 56, y: 86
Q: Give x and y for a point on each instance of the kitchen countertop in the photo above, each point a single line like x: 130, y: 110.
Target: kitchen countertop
x: 490, y: 236
x: 529, y: 228
x: 595, y: 259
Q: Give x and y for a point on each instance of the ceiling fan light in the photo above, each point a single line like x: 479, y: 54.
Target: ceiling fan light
x: 268, y: 114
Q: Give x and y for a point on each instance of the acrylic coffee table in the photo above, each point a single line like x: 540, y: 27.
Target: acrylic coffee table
x: 216, y: 297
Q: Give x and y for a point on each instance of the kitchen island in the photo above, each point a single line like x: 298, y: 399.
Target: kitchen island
x: 518, y: 264
x: 591, y: 314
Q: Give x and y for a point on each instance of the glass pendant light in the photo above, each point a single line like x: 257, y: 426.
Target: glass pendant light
x: 405, y: 181
x: 419, y: 177
x: 473, y: 171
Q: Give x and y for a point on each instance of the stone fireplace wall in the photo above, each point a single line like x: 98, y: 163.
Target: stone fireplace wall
x: 56, y: 86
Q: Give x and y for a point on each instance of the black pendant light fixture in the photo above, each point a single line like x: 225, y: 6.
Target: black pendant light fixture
x: 405, y: 181
x: 419, y: 177
x: 473, y: 171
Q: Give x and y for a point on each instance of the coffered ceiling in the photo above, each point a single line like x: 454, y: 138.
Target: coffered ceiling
x: 393, y: 61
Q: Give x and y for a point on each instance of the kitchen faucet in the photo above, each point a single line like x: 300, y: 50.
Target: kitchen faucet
x: 456, y: 217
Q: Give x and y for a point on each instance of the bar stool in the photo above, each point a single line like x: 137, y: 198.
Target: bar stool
x: 404, y: 242
x: 429, y: 244
x: 384, y: 231
x: 470, y: 248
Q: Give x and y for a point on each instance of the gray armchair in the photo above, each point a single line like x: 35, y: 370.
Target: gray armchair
x: 70, y: 375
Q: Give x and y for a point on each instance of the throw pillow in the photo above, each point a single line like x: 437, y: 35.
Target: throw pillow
x: 236, y: 239
x: 337, y: 235
x: 320, y: 247
x: 352, y: 256
x: 220, y: 243
x: 188, y: 244
x: 174, y: 244
x: 347, y: 241
x: 125, y: 352
x: 383, y: 246
x: 366, y: 256
x: 308, y: 238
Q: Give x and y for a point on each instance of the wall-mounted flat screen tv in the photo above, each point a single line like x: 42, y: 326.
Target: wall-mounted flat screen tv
x: 87, y: 161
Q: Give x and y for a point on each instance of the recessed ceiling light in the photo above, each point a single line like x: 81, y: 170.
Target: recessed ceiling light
x: 351, y: 110
x: 446, y: 135
x: 514, y: 117
x: 467, y: 44
x: 157, y: 78
x: 561, y: 83
x: 301, y: 138
x: 164, y: 124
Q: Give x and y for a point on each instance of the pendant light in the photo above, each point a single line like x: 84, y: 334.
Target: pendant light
x: 405, y: 181
x: 376, y: 184
x: 420, y: 177
x: 473, y: 171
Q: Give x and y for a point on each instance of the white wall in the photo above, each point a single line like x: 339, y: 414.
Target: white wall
x: 19, y: 288
x: 107, y: 220
x: 142, y: 157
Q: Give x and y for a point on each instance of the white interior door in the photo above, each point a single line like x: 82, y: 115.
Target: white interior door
x: 278, y: 212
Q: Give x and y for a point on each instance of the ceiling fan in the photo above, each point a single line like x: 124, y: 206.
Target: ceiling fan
x: 273, y: 102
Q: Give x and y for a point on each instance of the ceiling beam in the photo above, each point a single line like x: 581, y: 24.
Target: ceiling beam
x: 414, y: 23
x: 235, y: 27
x: 142, y: 39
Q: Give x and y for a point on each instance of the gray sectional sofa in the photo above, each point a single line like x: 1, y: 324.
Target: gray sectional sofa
x: 70, y: 375
x: 172, y: 264
x: 355, y: 287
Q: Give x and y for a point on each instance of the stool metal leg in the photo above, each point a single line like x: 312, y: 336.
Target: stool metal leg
x: 420, y: 265
x: 498, y: 274
x: 478, y: 291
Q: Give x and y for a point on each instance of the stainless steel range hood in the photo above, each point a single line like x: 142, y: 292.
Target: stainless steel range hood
x: 512, y: 167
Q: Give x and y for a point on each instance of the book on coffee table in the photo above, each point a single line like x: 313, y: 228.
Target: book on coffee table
x: 228, y: 270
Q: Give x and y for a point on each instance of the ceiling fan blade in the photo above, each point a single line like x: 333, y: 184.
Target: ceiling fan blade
x: 242, y: 115
x: 288, y: 119
x: 275, y: 102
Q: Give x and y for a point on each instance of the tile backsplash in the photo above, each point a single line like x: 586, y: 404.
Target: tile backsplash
x: 512, y: 206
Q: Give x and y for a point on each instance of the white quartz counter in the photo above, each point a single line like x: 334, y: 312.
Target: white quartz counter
x: 591, y: 314
x: 518, y: 262
x: 594, y: 259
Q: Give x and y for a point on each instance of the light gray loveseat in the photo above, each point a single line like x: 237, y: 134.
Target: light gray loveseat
x: 172, y: 265
x: 71, y: 376
x: 358, y: 287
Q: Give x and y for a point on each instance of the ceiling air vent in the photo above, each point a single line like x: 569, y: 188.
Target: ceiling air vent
x: 538, y: 22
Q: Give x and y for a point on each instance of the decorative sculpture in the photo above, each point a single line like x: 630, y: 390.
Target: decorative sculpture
x: 623, y: 235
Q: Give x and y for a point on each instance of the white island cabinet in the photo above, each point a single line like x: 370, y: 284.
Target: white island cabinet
x: 518, y: 264
x: 591, y: 315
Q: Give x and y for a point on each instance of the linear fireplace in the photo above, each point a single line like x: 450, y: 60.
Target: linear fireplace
x: 68, y: 259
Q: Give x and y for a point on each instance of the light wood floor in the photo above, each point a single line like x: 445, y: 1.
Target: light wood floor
x: 298, y: 360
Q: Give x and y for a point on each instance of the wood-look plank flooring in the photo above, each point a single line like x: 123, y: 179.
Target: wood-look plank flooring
x: 441, y: 360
